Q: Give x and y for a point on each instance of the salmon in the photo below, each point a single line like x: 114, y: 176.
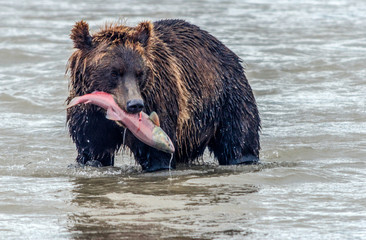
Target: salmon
x: 146, y: 128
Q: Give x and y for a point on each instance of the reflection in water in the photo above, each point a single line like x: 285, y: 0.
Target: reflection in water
x: 155, y: 205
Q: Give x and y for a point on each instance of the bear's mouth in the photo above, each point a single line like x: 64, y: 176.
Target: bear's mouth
x: 119, y: 123
x: 118, y: 101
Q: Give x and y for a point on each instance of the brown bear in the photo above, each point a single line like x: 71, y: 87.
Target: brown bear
x: 194, y: 83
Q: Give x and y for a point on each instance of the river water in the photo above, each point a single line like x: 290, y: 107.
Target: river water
x: 305, y: 60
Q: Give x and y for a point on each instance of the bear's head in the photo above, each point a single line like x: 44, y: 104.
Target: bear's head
x: 112, y: 60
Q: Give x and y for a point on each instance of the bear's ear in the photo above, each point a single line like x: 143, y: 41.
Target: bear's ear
x: 143, y: 33
x: 80, y: 35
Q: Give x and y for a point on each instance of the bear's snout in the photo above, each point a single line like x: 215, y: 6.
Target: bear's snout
x: 135, y: 105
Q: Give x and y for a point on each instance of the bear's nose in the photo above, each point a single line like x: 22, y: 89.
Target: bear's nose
x: 135, y: 105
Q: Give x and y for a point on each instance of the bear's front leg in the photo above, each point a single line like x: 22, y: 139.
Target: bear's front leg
x: 96, y: 138
x: 149, y: 158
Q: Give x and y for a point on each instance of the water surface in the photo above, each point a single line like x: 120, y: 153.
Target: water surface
x: 306, y: 63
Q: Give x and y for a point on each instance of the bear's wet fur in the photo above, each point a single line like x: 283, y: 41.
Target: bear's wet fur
x: 196, y: 85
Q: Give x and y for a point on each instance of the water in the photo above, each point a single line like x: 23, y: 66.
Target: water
x: 306, y: 62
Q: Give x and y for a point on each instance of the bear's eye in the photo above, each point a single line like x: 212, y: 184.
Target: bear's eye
x: 114, y: 75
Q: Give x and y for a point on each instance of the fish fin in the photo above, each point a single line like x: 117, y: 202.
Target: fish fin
x: 111, y: 115
x: 155, y: 118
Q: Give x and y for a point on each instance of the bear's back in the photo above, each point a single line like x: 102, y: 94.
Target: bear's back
x: 178, y: 34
